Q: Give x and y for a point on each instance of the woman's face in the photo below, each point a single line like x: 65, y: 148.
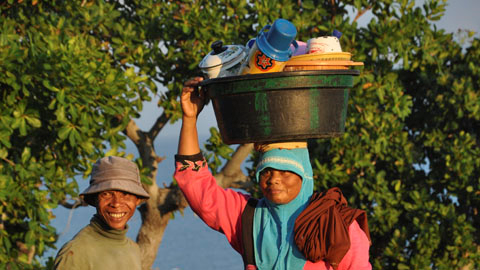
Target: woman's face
x: 280, y: 187
x: 116, y: 207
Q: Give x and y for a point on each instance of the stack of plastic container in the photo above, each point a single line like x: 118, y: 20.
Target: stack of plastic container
x: 278, y: 89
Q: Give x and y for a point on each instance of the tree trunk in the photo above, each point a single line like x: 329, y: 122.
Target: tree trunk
x: 151, y: 233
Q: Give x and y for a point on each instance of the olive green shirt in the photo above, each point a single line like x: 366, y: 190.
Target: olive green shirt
x: 98, y: 247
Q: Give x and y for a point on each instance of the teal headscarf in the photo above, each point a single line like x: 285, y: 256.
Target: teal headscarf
x: 273, y: 223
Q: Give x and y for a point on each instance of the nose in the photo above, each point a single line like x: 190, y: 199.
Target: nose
x: 275, y: 177
x: 117, y: 197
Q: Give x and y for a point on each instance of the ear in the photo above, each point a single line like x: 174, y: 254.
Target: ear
x: 139, y: 201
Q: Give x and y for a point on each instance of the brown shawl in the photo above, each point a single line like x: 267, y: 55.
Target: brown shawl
x: 321, y: 230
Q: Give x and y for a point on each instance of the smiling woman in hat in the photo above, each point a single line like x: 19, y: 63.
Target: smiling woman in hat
x: 291, y: 227
x: 115, y: 191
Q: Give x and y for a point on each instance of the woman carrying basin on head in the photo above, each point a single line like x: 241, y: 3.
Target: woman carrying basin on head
x: 291, y: 227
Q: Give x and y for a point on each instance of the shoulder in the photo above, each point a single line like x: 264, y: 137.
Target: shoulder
x: 73, y: 253
x: 80, y: 238
x: 357, y: 235
x: 133, y: 245
x: 84, y: 237
x: 357, y: 256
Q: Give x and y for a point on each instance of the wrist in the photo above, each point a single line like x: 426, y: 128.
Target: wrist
x: 189, y: 119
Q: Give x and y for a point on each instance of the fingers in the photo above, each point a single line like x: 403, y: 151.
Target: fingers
x: 191, y: 84
x: 191, y: 91
x: 192, y: 98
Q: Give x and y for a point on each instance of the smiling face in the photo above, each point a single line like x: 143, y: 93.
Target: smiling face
x: 116, y: 207
x: 280, y: 187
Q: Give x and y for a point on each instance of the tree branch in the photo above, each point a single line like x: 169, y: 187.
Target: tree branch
x: 158, y: 126
x: 171, y: 199
x: 231, y: 173
x: 144, y: 141
x: 134, y: 133
x: 29, y: 251
x: 9, y: 161
x: 361, y: 12
x: 76, y: 203
x: 334, y: 10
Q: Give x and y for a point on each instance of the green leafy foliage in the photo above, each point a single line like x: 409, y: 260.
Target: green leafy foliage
x: 410, y: 155
x: 64, y: 98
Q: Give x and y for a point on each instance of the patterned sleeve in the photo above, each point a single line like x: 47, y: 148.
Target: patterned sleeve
x: 221, y: 209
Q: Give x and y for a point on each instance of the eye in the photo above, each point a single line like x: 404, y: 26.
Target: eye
x: 106, y: 194
x: 128, y: 196
x: 265, y: 173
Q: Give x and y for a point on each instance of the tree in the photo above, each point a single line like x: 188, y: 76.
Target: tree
x: 63, y: 102
x: 411, y: 154
x: 74, y: 76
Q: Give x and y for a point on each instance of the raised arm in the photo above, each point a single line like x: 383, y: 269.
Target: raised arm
x: 192, y: 100
x: 219, y: 208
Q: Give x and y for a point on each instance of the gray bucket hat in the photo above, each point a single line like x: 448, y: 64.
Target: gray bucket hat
x: 114, y: 173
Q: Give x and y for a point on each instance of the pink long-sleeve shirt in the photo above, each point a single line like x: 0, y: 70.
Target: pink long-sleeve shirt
x: 221, y: 209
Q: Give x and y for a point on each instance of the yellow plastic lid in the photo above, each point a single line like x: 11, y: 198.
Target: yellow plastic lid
x: 323, y: 56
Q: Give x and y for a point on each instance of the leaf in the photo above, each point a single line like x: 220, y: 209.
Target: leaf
x: 34, y: 122
x: 3, y: 153
x: 111, y: 152
x: 397, y: 185
x: 64, y: 132
x: 73, y: 137
x: 110, y: 77
x: 26, y: 155
x: 22, y: 127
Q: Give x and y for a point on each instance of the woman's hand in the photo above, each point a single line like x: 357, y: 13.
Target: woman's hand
x: 192, y: 98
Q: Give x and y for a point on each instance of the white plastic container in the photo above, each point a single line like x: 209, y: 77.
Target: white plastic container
x: 327, y: 44
x: 223, y: 61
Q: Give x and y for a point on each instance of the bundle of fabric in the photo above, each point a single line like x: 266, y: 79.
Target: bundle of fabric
x: 321, y: 230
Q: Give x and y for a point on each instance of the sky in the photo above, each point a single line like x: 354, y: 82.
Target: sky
x: 191, y: 253
x: 461, y: 14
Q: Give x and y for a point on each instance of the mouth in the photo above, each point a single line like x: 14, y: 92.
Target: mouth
x: 117, y: 215
x: 275, y: 191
